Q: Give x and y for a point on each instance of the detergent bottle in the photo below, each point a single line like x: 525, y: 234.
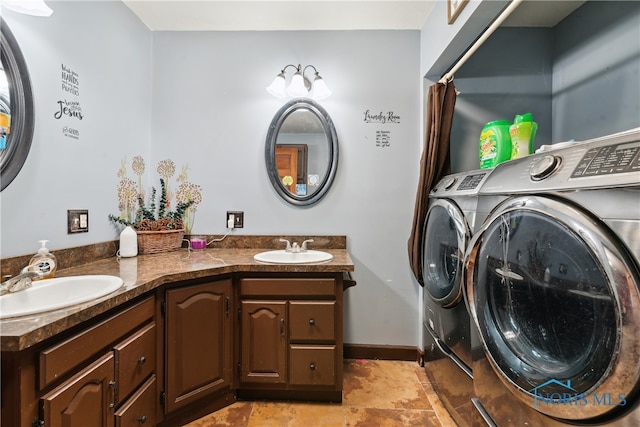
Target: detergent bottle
x: 495, y: 143
x: 522, y: 132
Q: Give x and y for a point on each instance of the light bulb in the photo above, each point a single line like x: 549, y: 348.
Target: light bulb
x: 320, y: 89
x: 276, y: 88
x: 297, y: 87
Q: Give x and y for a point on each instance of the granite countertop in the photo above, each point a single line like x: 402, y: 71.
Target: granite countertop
x: 144, y: 273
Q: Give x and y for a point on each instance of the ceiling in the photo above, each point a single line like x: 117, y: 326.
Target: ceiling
x: 269, y: 15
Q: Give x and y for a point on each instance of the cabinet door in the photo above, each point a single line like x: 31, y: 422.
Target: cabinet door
x: 198, y: 342
x: 86, y: 399
x: 264, y: 342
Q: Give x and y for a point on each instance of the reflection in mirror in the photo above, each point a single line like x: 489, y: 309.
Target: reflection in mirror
x: 301, y: 152
x: 16, y: 108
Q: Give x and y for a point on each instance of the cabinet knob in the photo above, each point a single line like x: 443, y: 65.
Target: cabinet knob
x: 312, y: 367
x: 142, y: 419
x: 142, y: 360
x: 312, y: 322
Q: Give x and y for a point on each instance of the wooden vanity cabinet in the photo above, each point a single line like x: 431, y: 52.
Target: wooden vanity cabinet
x: 182, y: 351
x: 198, y: 347
x: 105, y: 366
x: 290, y: 337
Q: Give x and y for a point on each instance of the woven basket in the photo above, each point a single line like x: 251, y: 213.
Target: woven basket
x: 153, y: 242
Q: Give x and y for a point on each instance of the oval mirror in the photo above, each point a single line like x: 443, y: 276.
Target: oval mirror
x: 301, y: 152
x: 16, y: 108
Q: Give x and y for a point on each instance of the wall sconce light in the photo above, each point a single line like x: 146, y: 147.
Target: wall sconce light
x: 28, y: 7
x: 300, y: 85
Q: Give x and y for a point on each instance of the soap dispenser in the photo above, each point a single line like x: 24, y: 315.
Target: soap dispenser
x: 44, y: 262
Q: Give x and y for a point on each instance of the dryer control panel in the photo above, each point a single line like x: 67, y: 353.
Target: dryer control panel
x: 460, y: 184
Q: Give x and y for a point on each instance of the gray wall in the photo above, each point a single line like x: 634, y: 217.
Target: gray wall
x: 596, y: 71
x: 110, y: 51
x: 579, y: 79
x: 211, y: 109
x: 500, y: 80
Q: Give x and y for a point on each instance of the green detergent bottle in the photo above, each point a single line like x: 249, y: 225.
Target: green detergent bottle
x: 495, y: 143
x: 522, y: 131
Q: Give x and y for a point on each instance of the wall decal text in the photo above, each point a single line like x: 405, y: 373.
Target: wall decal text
x: 381, y: 118
x: 68, y: 107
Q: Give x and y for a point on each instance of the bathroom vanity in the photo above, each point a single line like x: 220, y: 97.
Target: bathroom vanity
x: 185, y: 336
x: 290, y: 336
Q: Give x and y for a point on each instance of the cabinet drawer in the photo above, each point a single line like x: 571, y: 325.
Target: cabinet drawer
x: 62, y: 358
x: 298, y: 287
x: 140, y: 410
x: 135, y: 360
x: 312, y: 365
x: 312, y: 320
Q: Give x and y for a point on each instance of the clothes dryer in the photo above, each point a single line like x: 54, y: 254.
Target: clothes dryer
x: 552, y: 281
x: 448, y: 226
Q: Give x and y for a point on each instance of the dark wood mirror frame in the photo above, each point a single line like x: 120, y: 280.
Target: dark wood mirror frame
x: 271, y: 146
x: 21, y: 103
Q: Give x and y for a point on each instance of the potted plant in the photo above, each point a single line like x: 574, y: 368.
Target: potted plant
x: 157, y: 228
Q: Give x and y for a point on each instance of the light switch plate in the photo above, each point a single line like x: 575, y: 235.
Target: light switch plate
x: 77, y: 221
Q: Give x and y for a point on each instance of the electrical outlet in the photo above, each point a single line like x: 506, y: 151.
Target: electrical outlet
x: 77, y: 221
x: 238, y: 219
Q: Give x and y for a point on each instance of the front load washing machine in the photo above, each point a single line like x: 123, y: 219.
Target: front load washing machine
x: 552, y: 281
x: 448, y: 226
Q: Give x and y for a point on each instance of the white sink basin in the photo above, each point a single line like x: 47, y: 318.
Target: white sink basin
x: 53, y: 294
x: 284, y: 257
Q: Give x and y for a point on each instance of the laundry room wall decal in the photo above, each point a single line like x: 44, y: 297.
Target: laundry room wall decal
x: 382, y: 137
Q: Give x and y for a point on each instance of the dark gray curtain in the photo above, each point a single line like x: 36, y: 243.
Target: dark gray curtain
x: 434, y: 164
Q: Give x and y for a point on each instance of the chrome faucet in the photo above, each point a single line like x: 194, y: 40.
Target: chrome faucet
x: 288, y: 248
x: 21, y: 282
x: 304, y: 245
x: 295, y: 248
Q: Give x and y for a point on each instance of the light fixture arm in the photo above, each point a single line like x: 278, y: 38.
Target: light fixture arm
x: 310, y: 66
x: 297, y: 67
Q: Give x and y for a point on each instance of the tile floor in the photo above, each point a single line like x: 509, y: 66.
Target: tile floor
x: 377, y: 393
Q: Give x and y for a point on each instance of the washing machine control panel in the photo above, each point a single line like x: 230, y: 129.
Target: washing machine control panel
x: 609, y: 160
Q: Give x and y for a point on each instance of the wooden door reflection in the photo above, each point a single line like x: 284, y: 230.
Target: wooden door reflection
x: 291, y: 161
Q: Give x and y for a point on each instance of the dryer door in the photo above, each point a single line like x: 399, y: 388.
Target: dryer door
x: 556, y: 301
x: 446, y: 235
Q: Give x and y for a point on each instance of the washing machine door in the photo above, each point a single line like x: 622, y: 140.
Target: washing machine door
x: 445, y: 239
x: 555, y: 298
